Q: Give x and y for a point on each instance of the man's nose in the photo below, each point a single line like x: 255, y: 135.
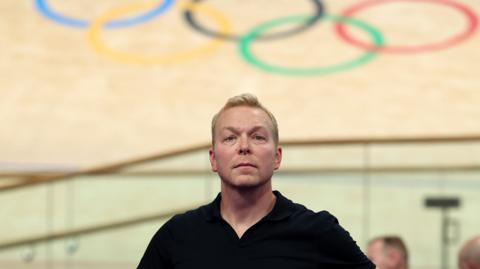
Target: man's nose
x: 244, y: 146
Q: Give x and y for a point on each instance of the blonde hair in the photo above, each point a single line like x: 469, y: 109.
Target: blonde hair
x: 248, y: 100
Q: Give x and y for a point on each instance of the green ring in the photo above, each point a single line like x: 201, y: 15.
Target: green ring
x: 244, y: 46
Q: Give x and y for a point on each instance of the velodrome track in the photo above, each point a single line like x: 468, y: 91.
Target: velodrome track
x: 89, y: 82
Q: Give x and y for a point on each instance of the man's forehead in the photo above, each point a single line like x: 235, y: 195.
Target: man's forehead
x: 243, y: 117
x: 238, y: 124
x: 238, y: 129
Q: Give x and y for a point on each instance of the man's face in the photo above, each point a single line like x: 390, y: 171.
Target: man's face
x: 245, y: 154
x: 376, y: 253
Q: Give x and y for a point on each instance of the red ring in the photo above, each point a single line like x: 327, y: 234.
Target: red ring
x: 469, y: 30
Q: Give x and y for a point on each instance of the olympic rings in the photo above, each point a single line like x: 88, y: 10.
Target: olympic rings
x: 362, y: 59
x: 319, y: 11
x: 118, y: 17
x: 468, y: 13
x: 46, y: 11
x: 94, y: 37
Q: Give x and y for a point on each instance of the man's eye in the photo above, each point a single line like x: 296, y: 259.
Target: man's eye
x: 259, y: 137
x: 229, y: 138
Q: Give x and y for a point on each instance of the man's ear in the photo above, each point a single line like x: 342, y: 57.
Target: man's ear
x: 278, y: 157
x: 213, y: 161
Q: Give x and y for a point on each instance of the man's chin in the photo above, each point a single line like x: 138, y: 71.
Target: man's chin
x: 247, y: 187
x: 246, y: 184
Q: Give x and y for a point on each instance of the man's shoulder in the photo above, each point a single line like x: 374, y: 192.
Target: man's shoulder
x: 190, y: 217
x: 319, y: 219
x: 301, y: 215
x: 182, y: 226
x: 301, y: 211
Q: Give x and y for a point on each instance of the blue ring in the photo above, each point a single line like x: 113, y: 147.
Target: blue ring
x: 46, y: 11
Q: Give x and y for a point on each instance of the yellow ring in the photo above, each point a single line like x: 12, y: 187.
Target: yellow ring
x: 94, y: 36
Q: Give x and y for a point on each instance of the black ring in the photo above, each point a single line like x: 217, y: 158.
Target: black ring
x: 188, y: 15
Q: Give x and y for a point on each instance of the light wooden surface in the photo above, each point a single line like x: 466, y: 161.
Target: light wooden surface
x: 61, y: 101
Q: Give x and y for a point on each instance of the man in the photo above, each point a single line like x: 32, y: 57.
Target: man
x: 469, y: 255
x: 388, y: 252
x: 248, y: 225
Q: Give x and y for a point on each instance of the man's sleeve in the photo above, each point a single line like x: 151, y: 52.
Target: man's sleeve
x: 158, y: 254
x: 337, y: 247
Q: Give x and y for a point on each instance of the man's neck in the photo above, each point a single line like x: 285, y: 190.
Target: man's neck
x: 243, y: 208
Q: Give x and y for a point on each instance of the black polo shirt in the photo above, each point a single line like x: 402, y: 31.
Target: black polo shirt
x: 290, y: 236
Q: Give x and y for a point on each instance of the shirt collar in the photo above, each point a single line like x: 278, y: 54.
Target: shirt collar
x: 283, y: 208
x: 213, y: 209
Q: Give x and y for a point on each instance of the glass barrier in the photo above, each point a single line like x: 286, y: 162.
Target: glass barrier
x: 373, y: 189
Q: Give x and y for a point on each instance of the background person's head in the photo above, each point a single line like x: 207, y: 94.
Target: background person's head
x: 388, y: 252
x: 469, y: 255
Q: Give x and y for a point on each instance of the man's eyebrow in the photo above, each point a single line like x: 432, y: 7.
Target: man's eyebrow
x: 236, y: 130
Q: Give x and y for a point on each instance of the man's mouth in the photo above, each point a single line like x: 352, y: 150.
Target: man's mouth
x: 244, y: 165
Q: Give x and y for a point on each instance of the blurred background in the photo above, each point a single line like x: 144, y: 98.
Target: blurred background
x: 105, y: 110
